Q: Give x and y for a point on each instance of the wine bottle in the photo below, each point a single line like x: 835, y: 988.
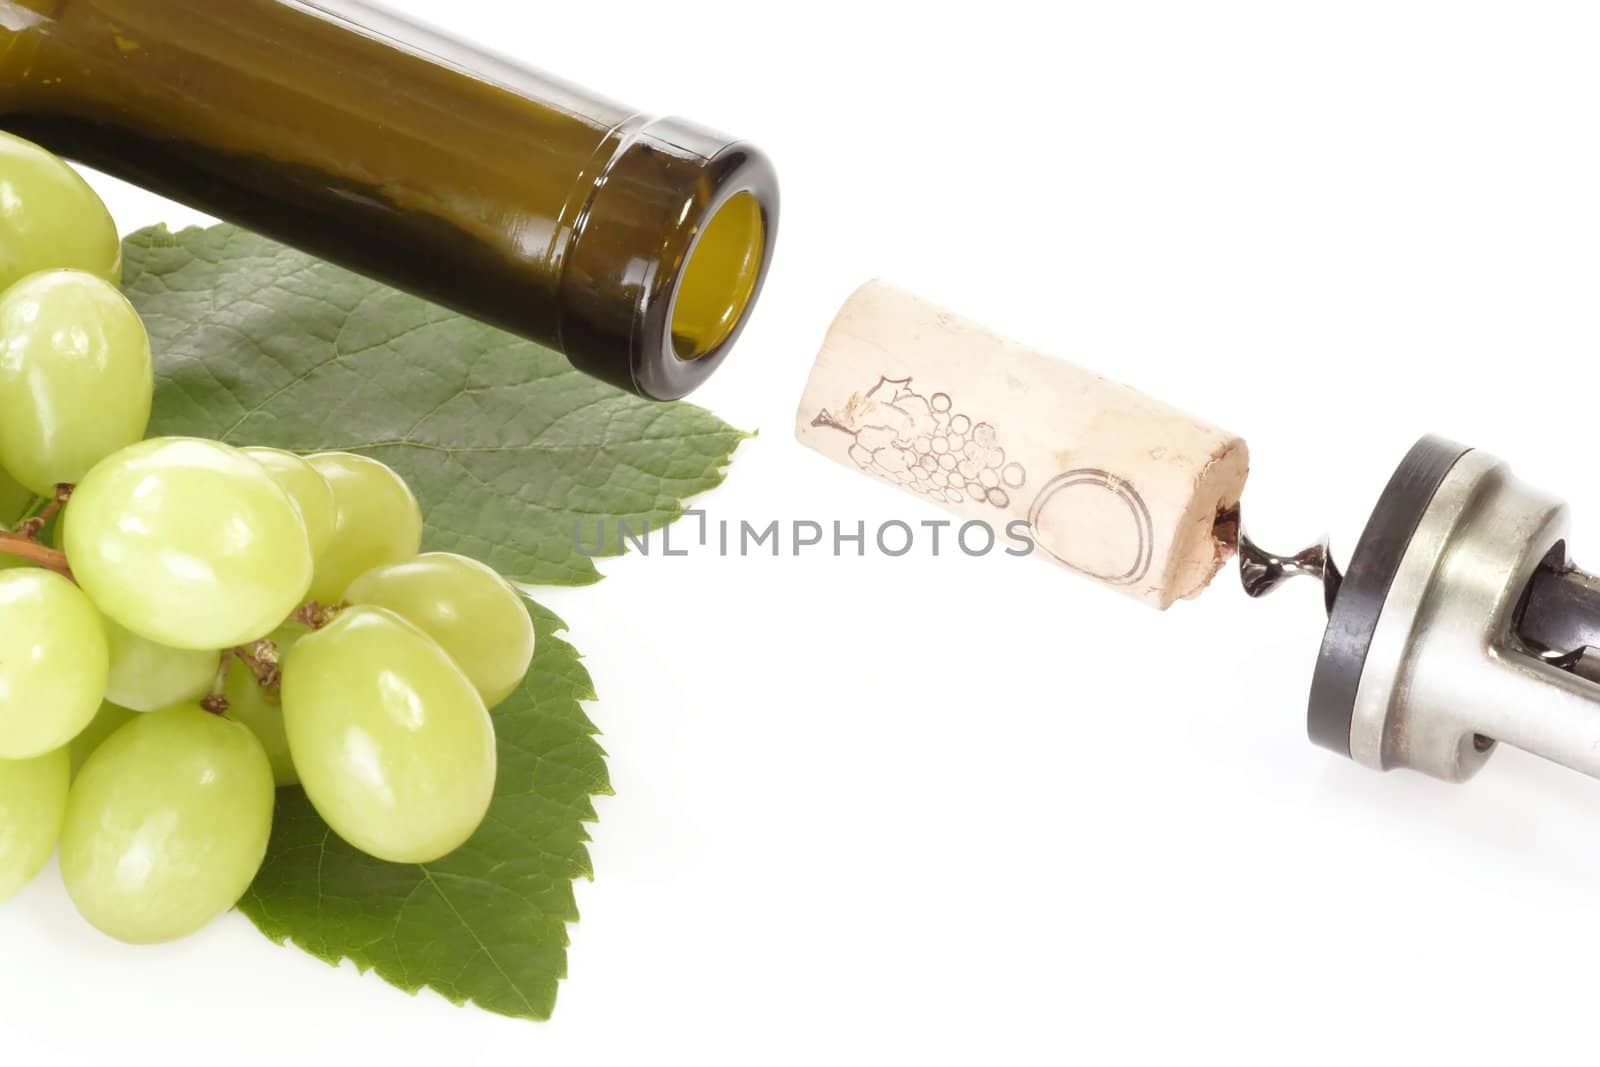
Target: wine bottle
x: 634, y: 245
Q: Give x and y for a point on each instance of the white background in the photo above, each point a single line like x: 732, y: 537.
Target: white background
x: 950, y: 810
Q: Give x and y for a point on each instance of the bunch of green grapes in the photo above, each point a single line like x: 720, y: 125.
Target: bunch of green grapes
x: 186, y: 626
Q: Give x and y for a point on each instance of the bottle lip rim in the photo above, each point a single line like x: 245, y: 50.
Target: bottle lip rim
x: 658, y: 370
x: 628, y: 341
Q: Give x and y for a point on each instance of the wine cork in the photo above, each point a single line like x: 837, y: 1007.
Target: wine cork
x: 1111, y: 483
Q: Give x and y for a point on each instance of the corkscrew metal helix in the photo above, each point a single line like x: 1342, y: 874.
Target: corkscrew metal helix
x: 1459, y: 623
x: 1262, y: 571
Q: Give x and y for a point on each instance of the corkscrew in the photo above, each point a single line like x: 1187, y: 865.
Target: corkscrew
x: 1459, y: 624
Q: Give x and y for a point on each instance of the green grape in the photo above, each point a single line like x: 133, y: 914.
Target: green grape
x: 167, y: 825
x: 470, y: 610
x: 14, y: 501
x: 75, y: 377
x: 188, y: 543
x: 377, y: 522
x: 262, y: 709
x: 146, y: 676
x: 107, y: 721
x: 53, y: 662
x: 392, y: 742
x: 33, y: 799
x: 50, y: 218
x: 307, y: 488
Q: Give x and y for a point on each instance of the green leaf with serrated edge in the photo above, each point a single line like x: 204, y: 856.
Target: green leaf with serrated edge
x: 506, y: 446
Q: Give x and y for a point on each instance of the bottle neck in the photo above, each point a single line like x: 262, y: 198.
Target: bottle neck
x: 343, y: 129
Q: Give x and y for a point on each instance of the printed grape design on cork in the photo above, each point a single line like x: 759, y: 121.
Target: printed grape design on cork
x: 923, y: 445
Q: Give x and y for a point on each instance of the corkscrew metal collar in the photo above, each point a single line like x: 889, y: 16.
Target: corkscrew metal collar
x: 1458, y: 625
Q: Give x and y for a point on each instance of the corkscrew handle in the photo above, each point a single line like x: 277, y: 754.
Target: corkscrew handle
x: 1460, y: 624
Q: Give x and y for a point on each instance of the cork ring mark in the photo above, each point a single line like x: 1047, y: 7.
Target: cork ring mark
x: 1138, y: 511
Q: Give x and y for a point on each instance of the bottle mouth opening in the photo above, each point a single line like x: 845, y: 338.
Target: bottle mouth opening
x: 720, y: 277
x: 668, y: 259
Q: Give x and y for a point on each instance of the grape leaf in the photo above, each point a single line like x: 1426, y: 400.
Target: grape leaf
x: 507, y: 447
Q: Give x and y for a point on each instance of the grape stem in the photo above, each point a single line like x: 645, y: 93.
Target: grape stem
x: 216, y: 702
x: 261, y: 658
x: 30, y: 527
x: 24, y: 541
x: 26, y: 547
x: 316, y: 615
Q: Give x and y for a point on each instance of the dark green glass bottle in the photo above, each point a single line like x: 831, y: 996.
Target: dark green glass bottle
x: 636, y: 246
